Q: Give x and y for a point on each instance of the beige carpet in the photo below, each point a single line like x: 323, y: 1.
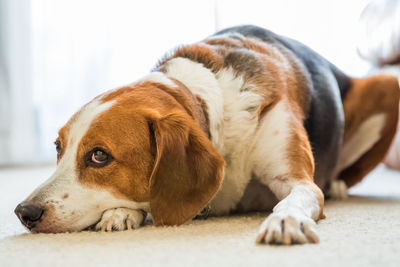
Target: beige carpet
x: 361, y: 231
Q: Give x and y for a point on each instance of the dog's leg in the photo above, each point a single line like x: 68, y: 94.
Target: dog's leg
x: 367, y: 135
x: 284, y: 162
x: 371, y: 114
x: 120, y: 219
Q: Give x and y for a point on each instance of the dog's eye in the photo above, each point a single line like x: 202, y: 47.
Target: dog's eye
x: 58, y: 147
x: 98, y: 158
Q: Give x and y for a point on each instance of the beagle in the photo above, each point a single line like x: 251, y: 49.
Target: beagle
x: 245, y: 120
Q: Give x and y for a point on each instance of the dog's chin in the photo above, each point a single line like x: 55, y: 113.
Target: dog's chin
x: 55, y: 227
x: 50, y: 230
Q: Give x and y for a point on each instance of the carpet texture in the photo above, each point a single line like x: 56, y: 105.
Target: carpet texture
x: 363, y: 230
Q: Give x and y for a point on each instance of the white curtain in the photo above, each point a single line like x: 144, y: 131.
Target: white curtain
x: 18, y: 131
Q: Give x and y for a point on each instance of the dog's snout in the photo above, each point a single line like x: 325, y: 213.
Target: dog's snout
x: 28, y: 213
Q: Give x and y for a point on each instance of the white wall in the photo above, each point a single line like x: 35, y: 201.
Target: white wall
x: 84, y: 47
x: 327, y: 26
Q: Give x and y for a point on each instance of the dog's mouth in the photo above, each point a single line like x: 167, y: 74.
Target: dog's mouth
x: 53, y: 229
x: 50, y: 224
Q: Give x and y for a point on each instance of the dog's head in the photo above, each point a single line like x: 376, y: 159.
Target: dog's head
x: 138, y: 147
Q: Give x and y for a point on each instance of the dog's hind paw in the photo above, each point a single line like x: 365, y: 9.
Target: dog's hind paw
x: 120, y: 219
x: 338, y: 190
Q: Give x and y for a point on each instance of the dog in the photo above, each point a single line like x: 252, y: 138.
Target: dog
x: 245, y: 120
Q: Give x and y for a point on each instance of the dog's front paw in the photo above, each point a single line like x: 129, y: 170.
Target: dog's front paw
x: 120, y: 219
x: 287, y: 230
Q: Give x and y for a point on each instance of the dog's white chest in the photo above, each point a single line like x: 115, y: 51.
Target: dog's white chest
x: 239, y: 124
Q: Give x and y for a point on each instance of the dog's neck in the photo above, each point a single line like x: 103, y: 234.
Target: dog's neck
x: 197, y: 105
x: 202, y: 87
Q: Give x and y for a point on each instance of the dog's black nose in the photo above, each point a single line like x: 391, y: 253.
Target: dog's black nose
x: 28, y: 214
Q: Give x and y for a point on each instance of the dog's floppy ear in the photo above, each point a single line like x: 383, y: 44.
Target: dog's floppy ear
x: 187, y: 170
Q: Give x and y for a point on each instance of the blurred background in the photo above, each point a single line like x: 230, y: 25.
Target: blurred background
x: 55, y: 55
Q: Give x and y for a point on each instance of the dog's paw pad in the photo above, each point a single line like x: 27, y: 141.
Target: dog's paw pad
x: 120, y: 219
x: 338, y: 190
x: 287, y: 230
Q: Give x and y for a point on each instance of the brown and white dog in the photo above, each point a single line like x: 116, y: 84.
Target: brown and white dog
x: 245, y: 120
